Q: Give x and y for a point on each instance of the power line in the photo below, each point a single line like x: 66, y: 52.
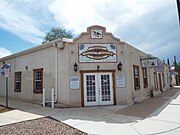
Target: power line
x: 9, y: 3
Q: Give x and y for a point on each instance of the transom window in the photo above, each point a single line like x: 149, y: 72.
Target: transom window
x: 38, y: 80
x: 136, y: 77
x: 17, y: 86
x: 145, y: 78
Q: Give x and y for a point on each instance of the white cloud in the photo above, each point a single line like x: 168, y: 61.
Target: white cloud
x: 4, y: 52
x: 149, y: 25
x: 79, y: 14
x: 19, y: 18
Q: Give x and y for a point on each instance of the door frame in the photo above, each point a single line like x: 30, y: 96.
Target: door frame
x: 95, y: 71
x: 160, y: 82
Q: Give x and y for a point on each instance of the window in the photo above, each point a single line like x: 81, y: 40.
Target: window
x: 163, y: 78
x: 136, y: 77
x: 17, y: 83
x: 145, y: 78
x: 38, y: 80
x: 155, y: 81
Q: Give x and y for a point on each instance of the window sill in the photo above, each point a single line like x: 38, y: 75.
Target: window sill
x: 38, y: 92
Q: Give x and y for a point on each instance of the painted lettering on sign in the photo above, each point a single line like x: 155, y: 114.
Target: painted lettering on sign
x: 74, y: 82
x: 97, y: 52
x: 120, y: 81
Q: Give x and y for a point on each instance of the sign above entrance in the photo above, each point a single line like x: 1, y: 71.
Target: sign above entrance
x: 97, y: 53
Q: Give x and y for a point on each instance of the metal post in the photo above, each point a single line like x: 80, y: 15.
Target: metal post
x: 52, y: 98
x: 44, y: 100
x: 6, y: 91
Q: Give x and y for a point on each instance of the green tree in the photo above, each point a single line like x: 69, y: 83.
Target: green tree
x: 57, y: 32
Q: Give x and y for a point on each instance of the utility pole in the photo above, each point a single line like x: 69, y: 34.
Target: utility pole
x: 5, y: 70
x: 168, y: 62
x: 178, y: 9
x: 176, y: 70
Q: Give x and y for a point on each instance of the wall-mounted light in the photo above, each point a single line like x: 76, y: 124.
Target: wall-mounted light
x: 75, y: 67
x: 98, y: 67
x: 26, y: 67
x: 119, y: 66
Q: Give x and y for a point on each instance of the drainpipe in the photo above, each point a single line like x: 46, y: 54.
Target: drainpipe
x: 56, y: 71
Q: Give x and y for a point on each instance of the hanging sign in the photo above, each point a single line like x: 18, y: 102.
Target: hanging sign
x: 149, y: 62
x: 74, y: 82
x: 120, y: 81
x: 160, y: 67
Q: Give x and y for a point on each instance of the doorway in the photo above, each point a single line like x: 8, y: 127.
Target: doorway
x: 98, y: 88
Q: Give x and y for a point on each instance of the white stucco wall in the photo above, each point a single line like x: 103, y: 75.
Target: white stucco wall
x: 57, y: 60
x: 43, y: 58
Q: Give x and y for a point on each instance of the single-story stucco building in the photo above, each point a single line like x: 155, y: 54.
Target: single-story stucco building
x: 95, y: 68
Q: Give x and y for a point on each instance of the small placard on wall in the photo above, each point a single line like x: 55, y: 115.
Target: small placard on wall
x: 120, y: 81
x: 74, y: 82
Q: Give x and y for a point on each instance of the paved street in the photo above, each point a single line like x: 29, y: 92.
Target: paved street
x: 157, y: 115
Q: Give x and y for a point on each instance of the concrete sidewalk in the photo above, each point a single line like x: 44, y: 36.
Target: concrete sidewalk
x: 165, y: 118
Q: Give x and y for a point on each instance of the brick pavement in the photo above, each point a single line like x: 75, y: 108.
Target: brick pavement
x: 145, y: 108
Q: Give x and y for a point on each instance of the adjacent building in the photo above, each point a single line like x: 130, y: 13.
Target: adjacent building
x: 93, y: 69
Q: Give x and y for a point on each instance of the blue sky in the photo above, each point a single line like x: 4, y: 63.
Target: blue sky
x: 149, y: 25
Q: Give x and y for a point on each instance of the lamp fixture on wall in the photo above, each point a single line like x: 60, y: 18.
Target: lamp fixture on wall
x: 98, y: 67
x: 75, y: 67
x: 26, y: 67
x: 119, y: 66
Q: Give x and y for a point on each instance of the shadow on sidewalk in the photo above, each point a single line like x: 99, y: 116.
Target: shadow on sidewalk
x: 149, y: 106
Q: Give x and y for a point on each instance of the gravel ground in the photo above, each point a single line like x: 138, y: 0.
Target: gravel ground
x: 41, y: 126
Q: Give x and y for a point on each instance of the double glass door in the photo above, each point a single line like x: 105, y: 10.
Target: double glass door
x: 98, y: 89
